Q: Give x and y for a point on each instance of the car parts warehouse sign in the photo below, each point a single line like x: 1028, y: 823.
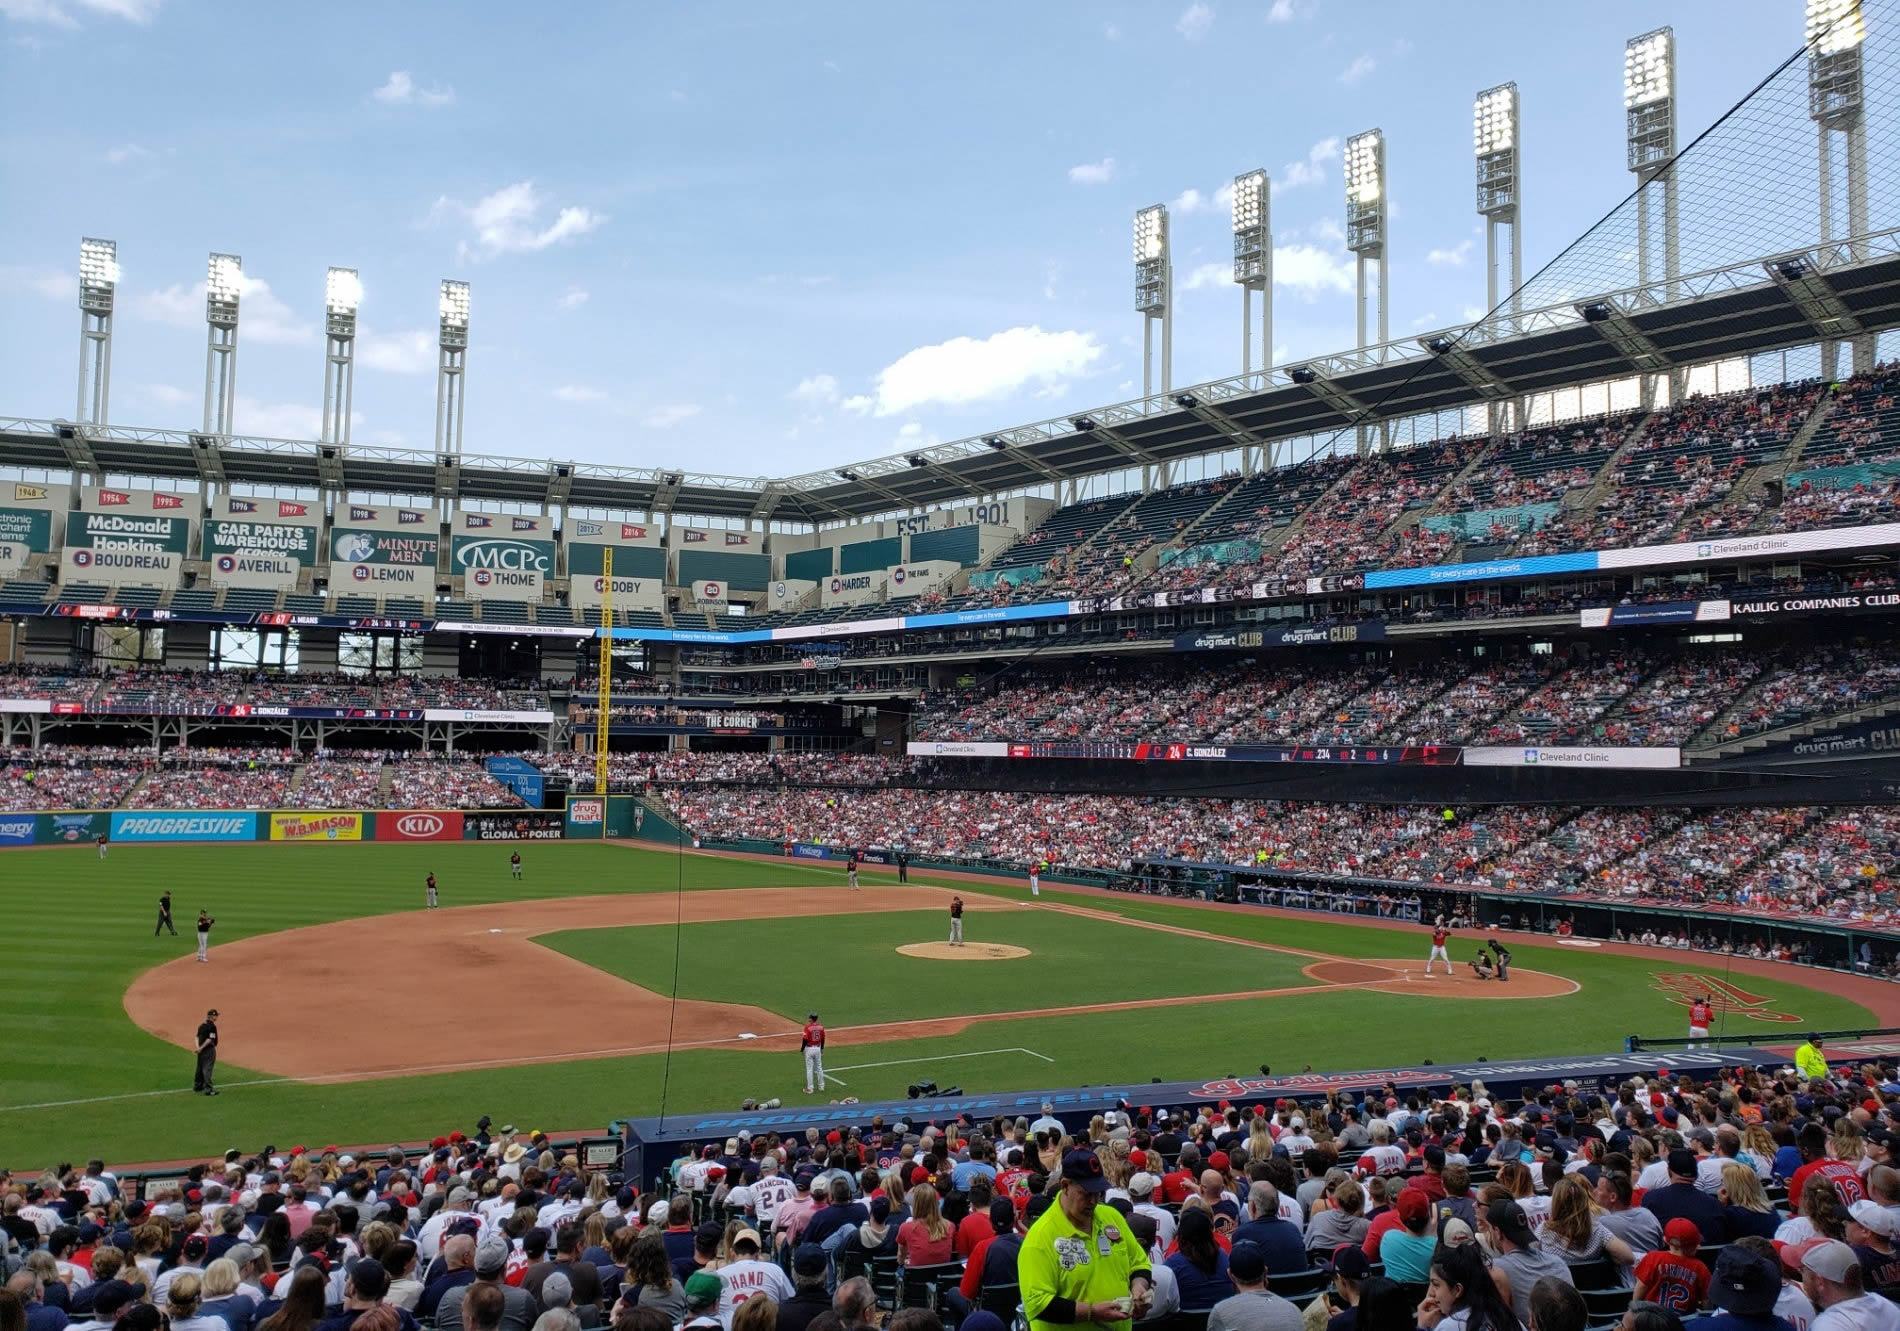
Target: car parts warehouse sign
x: 371, y: 560
x: 257, y: 554
x: 504, y: 567
x: 23, y: 532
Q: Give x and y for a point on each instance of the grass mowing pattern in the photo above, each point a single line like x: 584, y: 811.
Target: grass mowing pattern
x: 79, y: 930
x: 846, y: 967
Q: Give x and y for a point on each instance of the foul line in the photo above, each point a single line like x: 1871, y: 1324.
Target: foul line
x: 939, y: 1058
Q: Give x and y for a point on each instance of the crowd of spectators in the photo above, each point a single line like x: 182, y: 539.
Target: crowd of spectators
x: 69, y: 776
x: 439, y: 781
x: 47, y: 683
x: 239, y: 777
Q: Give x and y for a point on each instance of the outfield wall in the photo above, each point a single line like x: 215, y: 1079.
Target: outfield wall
x: 80, y: 827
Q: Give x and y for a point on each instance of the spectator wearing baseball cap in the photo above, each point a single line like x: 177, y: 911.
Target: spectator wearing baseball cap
x: 1681, y: 1199
x: 702, y: 1302
x: 1112, y: 1286
x: 1745, y: 1286
x: 1252, y: 1306
x: 1831, y: 1277
x: 1673, y: 1276
x: 1871, y: 1228
x: 1143, y: 1188
x: 110, y: 1299
x: 1406, y: 1252
x: 1516, y: 1256
x: 993, y: 1261
x: 746, y: 1276
x: 810, y: 1297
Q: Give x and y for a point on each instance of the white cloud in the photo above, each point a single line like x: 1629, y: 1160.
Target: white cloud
x: 1193, y: 201
x: 965, y: 369
x: 166, y: 395
x: 262, y: 317
x: 816, y: 392
x: 1194, y: 22
x: 59, y: 13
x: 1209, y: 275
x: 1093, y: 173
x: 1357, y: 70
x: 666, y: 417
x: 1309, y: 170
x: 411, y: 352
x: 1473, y: 313
x: 401, y: 90
x: 572, y: 299
x: 280, y: 420
x: 912, y: 434
x: 126, y: 152
x: 1282, y: 12
x: 1424, y: 321
x: 858, y: 403
x: 1451, y: 258
x: 505, y: 222
x: 1051, y: 274
x: 1310, y: 269
x: 579, y: 393
x: 49, y: 283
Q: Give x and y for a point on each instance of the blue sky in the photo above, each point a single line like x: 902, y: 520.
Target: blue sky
x: 763, y: 239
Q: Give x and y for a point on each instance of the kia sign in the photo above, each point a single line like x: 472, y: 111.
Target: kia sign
x: 419, y: 826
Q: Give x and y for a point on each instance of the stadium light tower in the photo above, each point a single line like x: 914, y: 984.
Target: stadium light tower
x: 1253, y: 263
x: 98, y: 280
x: 342, y: 293
x: 1835, y: 31
x: 1365, y: 233
x: 1154, y: 294
x: 452, y: 341
x: 1494, y: 140
x: 224, y: 284
x: 1649, y: 121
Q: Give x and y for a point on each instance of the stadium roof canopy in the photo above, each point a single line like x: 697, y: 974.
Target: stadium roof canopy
x: 1835, y: 290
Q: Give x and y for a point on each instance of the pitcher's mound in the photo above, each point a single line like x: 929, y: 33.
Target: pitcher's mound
x: 964, y: 951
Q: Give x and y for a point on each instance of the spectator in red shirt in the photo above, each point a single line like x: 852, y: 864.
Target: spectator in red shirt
x: 1675, y: 1278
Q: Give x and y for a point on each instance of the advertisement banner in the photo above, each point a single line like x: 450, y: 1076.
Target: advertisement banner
x: 586, y: 810
x: 71, y: 829
x: 515, y: 825
x: 26, y: 705
x: 489, y: 717
x: 520, y: 776
x: 419, y: 825
x: 354, y: 546
x: 257, y: 554
x: 23, y: 532
x: 224, y: 826
x: 308, y: 825
x: 957, y: 748
x: 1655, y: 612
x: 1849, y: 603
x: 18, y: 829
x: 851, y: 588
x: 1882, y: 736
x: 709, y: 594
x: 1529, y: 567
x: 1769, y: 545
x: 1425, y: 755
x: 128, y: 531
x: 501, y: 566
x: 1289, y: 635
x: 115, y: 566
x: 1506, y: 755
x: 629, y: 593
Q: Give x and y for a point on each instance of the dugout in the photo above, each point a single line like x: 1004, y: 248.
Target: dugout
x: 649, y: 1145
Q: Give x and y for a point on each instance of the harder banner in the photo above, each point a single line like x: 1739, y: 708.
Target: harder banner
x: 419, y: 825
x: 1506, y: 755
x: 24, y: 532
x: 304, y: 825
x: 238, y: 826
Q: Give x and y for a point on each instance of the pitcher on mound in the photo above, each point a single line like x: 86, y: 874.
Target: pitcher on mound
x: 1440, y: 936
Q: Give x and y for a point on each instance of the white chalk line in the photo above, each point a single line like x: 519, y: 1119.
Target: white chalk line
x: 938, y: 1058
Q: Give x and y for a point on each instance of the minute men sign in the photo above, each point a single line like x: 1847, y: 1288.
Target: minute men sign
x: 376, y: 561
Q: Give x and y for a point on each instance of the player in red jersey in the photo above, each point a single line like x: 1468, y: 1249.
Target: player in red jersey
x: 813, y: 1045
x: 1440, y: 936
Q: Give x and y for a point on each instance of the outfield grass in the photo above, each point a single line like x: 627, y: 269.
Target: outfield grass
x: 847, y: 968
x: 78, y: 931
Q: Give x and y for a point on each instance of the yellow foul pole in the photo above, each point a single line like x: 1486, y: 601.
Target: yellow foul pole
x: 606, y: 681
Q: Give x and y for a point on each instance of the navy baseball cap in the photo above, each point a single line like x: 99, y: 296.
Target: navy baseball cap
x: 1081, y: 1166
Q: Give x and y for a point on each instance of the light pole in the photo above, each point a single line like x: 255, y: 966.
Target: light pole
x: 1366, y: 237
x: 98, y: 280
x: 1649, y: 118
x: 452, y: 342
x: 224, y: 284
x: 1835, y: 31
x: 1154, y: 294
x: 342, y: 293
x: 1494, y: 139
x: 1253, y: 264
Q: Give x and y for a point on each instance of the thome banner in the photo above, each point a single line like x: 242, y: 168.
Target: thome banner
x: 505, y: 556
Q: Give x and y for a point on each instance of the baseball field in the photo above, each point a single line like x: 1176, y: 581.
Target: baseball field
x: 611, y: 978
